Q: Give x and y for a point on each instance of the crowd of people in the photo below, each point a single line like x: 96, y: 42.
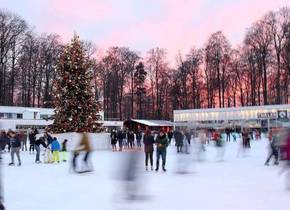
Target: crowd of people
x: 16, y: 142
x: 186, y: 142
x: 184, y: 139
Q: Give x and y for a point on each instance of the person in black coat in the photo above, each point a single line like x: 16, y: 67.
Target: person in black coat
x: 139, y: 138
x: 120, y: 137
x: 3, y: 140
x: 170, y: 136
x: 32, y: 139
x: 178, y: 136
x: 114, y: 140
x: 131, y: 138
x: 148, y: 141
x: 37, y: 143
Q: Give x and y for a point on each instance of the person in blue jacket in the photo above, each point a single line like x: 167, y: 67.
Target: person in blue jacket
x: 55, y: 148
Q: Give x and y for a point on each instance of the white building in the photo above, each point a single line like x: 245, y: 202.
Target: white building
x: 24, y: 117
x: 12, y: 117
x: 239, y: 116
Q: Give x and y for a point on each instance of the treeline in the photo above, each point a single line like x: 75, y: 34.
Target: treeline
x: 216, y: 75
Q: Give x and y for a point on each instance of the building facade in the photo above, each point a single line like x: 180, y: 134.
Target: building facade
x: 237, y: 116
x: 23, y: 118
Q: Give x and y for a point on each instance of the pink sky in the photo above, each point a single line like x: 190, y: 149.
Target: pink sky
x: 176, y: 25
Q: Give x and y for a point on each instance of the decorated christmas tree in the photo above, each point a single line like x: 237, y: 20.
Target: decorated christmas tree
x: 76, y: 109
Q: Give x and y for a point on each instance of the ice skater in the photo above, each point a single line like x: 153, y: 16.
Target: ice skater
x: 37, y: 143
x: 162, y: 143
x: 148, y: 141
x: 1, y: 184
x: 114, y: 140
x: 273, y: 148
x: 131, y: 139
x: 178, y: 136
x: 32, y: 138
x: 219, y: 145
x: 55, y: 149
x: 15, y: 148
x: 200, y: 145
x: 85, y: 147
x: 64, y: 150
x: 120, y: 138
x: 138, y: 139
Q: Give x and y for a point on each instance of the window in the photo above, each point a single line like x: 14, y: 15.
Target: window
x: 43, y: 116
x: 1, y: 115
x: 8, y: 115
x: 19, y: 116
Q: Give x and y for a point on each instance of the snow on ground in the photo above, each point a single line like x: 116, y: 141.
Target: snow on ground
x: 237, y: 183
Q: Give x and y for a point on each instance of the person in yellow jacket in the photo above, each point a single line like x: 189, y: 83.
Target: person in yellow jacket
x: 85, y: 147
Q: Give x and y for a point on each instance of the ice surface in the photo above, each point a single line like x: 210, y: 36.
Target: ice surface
x: 237, y: 183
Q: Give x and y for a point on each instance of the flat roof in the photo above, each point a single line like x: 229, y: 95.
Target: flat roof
x: 242, y: 108
x: 153, y: 123
x: 24, y: 109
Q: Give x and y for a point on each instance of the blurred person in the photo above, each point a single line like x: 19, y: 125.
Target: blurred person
x: 132, y: 182
x: 170, y: 136
x: 246, y: 136
x: 3, y: 140
x: 23, y: 139
x: 258, y: 134
x: 8, y: 137
x: 186, y: 141
x: 32, y: 138
x: 148, y: 141
x: 228, y: 133
x: 219, y: 145
x: 120, y: 139
x: 48, y: 138
x: 200, y: 145
x: 64, y: 150
x: 125, y: 139
x: 55, y: 149
x: 208, y: 136
x: 15, y: 148
x: 162, y: 143
x: 234, y: 137
x: 84, y: 146
x: 114, y: 140
x: 243, y: 149
x: 273, y: 147
x: 178, y: 136
x: 139, y: 138
x: 285, y: 156
x: 1, y: 183
x: 38, y: 142
x: 131, y: 139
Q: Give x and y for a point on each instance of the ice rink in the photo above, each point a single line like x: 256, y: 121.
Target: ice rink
x: 237, y: 183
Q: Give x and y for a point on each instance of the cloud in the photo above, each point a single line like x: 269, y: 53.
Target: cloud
x: 143, y: 24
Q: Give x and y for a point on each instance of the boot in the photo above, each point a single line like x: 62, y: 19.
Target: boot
x: 151, y: 168
x: 11, y: 164
x: 163, y: 168
x: 2, y: 206
x: 157, y: 166
x: 146, y: 168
